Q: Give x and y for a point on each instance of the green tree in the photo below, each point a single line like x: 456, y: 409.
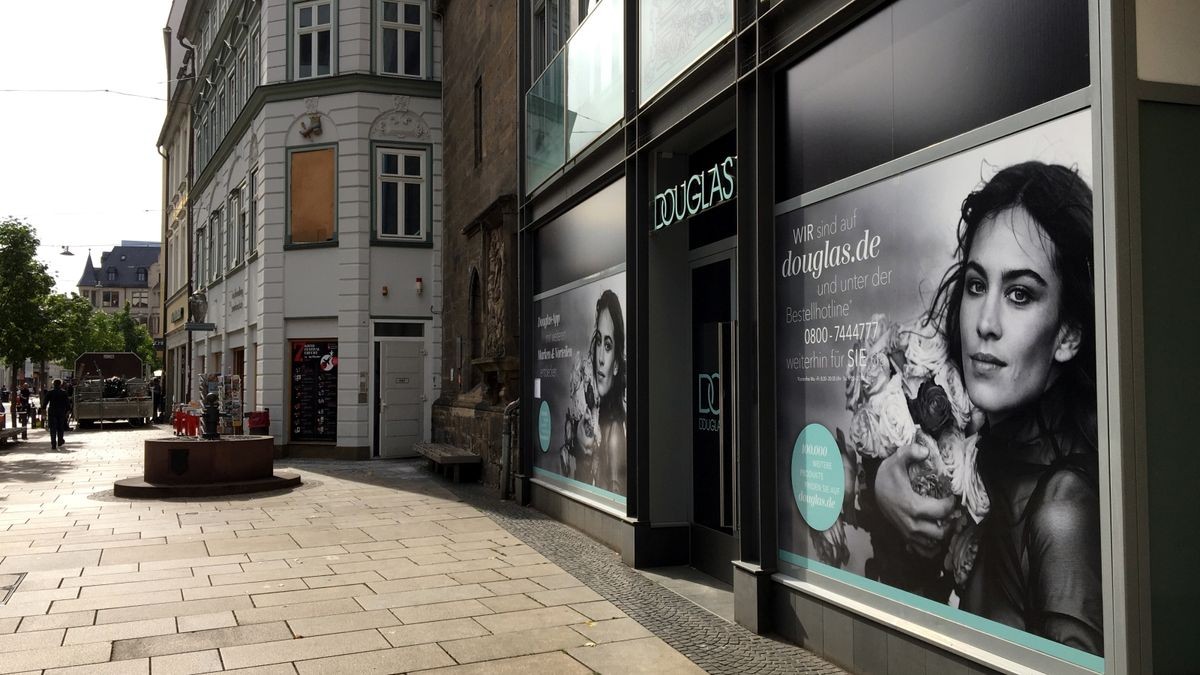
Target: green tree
x: 135, y: 337
x: 24, y: 285
x: 68, y: 327
x: 103, y: 334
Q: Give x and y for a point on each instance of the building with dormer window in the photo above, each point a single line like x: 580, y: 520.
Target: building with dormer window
x: 125, y: 274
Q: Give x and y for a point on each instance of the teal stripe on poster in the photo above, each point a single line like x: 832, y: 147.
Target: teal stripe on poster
x: 1002, y: 631
x: 571, y: 482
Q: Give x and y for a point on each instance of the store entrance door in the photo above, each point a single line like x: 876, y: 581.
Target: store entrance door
x: 399, y: 374
x: 714, y: 411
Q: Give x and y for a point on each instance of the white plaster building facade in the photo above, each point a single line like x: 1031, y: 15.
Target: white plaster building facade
x: 316, y: 215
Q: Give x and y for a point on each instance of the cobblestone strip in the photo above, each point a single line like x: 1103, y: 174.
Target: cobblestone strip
x: 709, y: 641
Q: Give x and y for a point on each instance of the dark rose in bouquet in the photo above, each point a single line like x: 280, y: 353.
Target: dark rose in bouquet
x: 932, y: 408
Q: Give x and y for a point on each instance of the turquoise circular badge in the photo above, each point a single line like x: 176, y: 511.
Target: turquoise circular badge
x: 544, y: 426
x: 818, y: 477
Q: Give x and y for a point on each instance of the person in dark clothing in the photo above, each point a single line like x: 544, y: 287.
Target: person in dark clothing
x: 156, y: 389
x: 55, y: 404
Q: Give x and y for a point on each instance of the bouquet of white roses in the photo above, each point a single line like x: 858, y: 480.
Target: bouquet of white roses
x: 905, y: 390
x: 582, y: 422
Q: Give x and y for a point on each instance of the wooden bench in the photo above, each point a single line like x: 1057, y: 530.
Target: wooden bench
x: 11, y: 434
x: 444, y: 457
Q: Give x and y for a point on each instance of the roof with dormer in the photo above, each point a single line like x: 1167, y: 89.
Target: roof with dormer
x: 119, y: 267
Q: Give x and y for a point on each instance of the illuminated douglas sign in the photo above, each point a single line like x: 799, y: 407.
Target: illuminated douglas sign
x: 698, y: 193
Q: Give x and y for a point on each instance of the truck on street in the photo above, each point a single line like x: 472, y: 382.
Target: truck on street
x: 111, y: 386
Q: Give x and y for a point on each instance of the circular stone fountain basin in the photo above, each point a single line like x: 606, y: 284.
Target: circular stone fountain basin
x: 193, y: 467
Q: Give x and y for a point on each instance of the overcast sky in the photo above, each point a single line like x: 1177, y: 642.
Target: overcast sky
x: 82, y: 168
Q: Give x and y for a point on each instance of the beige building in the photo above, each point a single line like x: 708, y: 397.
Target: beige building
x: 174, y: 144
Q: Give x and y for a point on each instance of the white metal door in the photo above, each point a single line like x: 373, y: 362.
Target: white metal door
x: 401, y: 374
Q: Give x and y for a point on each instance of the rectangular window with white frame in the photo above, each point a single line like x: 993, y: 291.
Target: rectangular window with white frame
x: 214, y: 252
x: 314, y: 29
x: 252, y: 213
x: 222, y: 230
x: 401, y: 211
x: 255, y: 60
x: 199, y: 275
x: 232, y: 233
x: 219, y: 127
x: 402, y: 38
x: 243, y: 77
x: 235, y: 100
x: 240, y: 209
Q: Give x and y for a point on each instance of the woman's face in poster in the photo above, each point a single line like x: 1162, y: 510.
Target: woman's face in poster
x: 603, y: 352
x: 1011, y: 332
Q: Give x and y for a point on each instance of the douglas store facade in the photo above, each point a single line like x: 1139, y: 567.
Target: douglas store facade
x: 872, y: 309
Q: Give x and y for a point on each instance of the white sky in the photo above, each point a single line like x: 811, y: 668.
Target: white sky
x: 82, y: 168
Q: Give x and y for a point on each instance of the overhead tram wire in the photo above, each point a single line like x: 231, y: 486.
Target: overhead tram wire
x: 81, y: 91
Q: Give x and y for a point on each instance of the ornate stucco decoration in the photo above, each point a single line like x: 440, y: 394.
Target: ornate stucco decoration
x: 495, y: 316
x: 399, y: 122
x: 313, y: 126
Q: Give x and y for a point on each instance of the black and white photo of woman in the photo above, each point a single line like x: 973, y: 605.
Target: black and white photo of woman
x: 595, y: 451
x: 1018, y: 311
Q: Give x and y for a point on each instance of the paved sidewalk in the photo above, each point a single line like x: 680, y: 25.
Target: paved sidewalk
x: 368, y: 567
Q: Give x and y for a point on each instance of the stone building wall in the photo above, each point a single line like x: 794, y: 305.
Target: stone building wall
x: 479, y: 308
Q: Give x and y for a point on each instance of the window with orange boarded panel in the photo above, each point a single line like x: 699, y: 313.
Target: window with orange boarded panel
x: 312, y: 188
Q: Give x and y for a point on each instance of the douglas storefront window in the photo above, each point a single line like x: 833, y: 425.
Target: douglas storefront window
x: 580, y: 351
x: 937, y: 437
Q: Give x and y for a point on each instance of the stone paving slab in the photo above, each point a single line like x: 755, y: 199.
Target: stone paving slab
x: 367, y: 567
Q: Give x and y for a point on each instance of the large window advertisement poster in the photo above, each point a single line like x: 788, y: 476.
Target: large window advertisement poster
x: 314, y: 390
x: 579, y: 386
x: 937, y: 422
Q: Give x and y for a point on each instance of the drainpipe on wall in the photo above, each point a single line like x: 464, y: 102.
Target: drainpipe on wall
x: 191, y: 147
x: 510, y: 413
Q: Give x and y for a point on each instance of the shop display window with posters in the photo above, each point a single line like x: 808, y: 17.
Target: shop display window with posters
x: 579, y: 379
x: 937, y: 437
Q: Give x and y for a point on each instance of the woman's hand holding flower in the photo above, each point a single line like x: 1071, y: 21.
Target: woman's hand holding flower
x: 922, y: 521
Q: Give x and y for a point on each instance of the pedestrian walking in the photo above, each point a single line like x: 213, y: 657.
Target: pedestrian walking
x: 156, y: 389
x: 55, y: 406
x: 21, y: 408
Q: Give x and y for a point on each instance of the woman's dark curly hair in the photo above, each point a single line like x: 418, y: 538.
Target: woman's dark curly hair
x: 1061, y: 204
x: 612, y: 405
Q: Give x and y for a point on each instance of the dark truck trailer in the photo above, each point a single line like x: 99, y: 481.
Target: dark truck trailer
x: 111, y: 386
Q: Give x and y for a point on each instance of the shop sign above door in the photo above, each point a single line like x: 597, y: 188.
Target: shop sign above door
x: 699, y: 192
